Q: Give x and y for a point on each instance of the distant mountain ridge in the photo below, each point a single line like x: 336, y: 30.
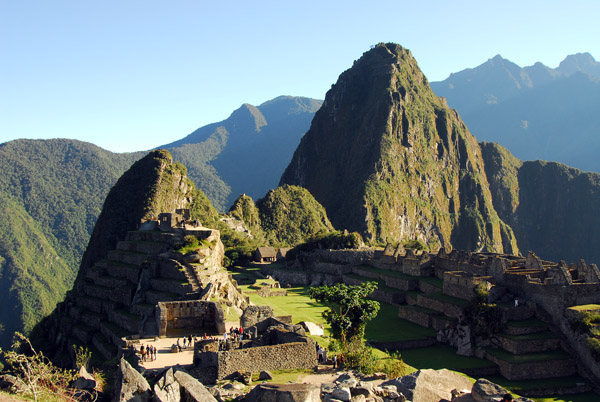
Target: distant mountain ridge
x: 246, y: 152
x: 536, y: 112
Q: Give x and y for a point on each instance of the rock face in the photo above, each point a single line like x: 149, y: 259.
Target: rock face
x: 553, y: 209
x: 130, y: 385
x: 430, y: 385
x: 387, y: 158
x: 192, y: 390
x: 153, y: 185
x: 166, y: 388
x: 284, y: 393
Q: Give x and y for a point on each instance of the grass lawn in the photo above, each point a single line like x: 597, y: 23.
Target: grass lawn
x: 441, y: 356
x: 528, y: 357
x: 531, y: 337
x: 387, y: 327
x: 586, y: 397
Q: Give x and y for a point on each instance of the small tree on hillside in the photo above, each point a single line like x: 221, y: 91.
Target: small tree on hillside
x: 349, y: 309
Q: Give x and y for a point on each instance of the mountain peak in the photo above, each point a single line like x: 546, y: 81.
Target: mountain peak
x: 387, y: 158
x: 248, y: 114
x: 580, y: 62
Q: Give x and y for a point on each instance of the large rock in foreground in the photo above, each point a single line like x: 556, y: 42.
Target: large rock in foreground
x: 430, y: 385
x: 131, y: 386
x: 284, y: 393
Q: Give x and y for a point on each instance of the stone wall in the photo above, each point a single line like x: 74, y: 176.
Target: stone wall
x: 528, y: 346
x: 534, y: 370
x: 462, y: 284
x: 288, y: 356
x: 190, y: 314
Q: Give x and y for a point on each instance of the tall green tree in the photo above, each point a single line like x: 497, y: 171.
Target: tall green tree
x: 349, y: 309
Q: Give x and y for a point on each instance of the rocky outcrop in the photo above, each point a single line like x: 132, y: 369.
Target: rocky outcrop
x: 130, y: 385
x: 192, y: 390
x: 389, y: 159
x: 430, y: 385
x: 552, y: 208
x: 284, y: 393
x: 166, y: 388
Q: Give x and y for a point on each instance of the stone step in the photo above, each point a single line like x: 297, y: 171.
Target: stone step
x: 121, y: 270
x: 143, y: 309
x: 94, y: 272
x: 418, y: 315
x: 128, y: 321
x: 146, y: 247
x: 524, y: 327
x: 383, y: 293
x: 112, y: 282
x: 91, y: 319
x: 83, y: 333
x: 448, y: 305
x: 532, y: 365
x: 392, y: 279
x: 172, y: 286
x: 89, y: 303
x: 153, y: 236
x: 529, y: 343
x: 155, y: 296
x: 106, y: 348
x: 114, y: 333
x: 127, y: 257
x: 122, y: 295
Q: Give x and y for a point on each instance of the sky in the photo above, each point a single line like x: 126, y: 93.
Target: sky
x: 133, y: 75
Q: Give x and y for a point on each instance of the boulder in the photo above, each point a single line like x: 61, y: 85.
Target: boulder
x: 131, y: 386
x: 284, y: 393
x: 312, y: 328
x: 429, y: 385
x: 11, y: 383
x: 84, y: 381
x: 192, y: 390
x: 484, y: 391
x: 166, y: 388
x: 342, y: 393
x: 264, y: 376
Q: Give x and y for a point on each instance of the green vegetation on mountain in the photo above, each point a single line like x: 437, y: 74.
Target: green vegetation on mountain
x: 51, y: 192
x: 553, y: 209
x: 245, y: 210
x: 387, y: 158
x: 290, y: 214
x: 152, y: 185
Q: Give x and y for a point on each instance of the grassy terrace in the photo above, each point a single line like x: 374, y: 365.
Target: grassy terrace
x: 528, y: 357
x: 447, y: 299
x: 388, y: 327
x: 380, y: 284
x: 440, y: 356
x: 531, y: 337
x: 432, y: 280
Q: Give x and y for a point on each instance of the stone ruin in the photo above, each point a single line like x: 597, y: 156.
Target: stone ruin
x: 145, y: 288
x: 435, y: 290
x: 274, y: 345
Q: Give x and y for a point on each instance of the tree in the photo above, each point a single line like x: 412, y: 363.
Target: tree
x: 349, y: 309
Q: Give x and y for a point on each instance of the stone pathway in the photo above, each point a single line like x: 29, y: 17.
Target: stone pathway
x: 164, y: 356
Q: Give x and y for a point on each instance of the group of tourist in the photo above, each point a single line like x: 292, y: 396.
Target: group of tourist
x: 148, y: 352
x: 236, y: 334
x: 338, y: 362
x: 186, y: 342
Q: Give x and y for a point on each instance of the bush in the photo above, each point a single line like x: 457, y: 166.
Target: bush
x: 593, y: 345
x: 393, y: 366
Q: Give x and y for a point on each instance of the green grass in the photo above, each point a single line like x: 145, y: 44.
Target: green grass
x: 531, y: 337
x: 380, y: 283
x: 447, y: 299
x: 528, y: 357
x: 585, y: 397
x: 585, y: 307
x: 388, y: 327
x: 441, y: 356
x: 284, y: 376
x: 517, y: 386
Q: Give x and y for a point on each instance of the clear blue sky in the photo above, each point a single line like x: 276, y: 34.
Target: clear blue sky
x: 131, y: 75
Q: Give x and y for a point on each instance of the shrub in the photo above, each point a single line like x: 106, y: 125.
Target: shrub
x: 393, y: 366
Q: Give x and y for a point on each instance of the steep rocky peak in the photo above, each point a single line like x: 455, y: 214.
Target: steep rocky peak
x: 386, y: 157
